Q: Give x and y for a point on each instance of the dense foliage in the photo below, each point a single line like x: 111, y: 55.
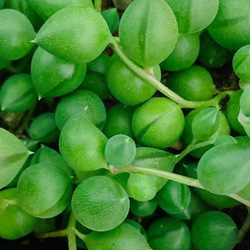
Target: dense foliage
x: 121, y: 127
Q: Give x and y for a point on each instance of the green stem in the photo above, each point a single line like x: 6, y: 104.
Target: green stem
x: 161, y: 87
x: 170, y: 176
x: 71, y: 233
x: 98, y: 5
x: 245, y: 227
x: 164, y: 174
x: 192, y: 146
x: 80, y: 235
x: 55, y: 234
x: 240, y: 199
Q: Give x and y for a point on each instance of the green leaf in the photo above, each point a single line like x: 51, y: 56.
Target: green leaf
x: 13, y: 155
x: 46, y: 8
x: 82, y: 144
x: 44, y: 190
x: 175, y: 199
x: 112, y: 18
x: 193, y: 15
x: 100, y: 203
x: 148, y: 31
x: 81, y: 36
x: 120, y: 150
x: 206, y: 123
x: 16, y: 31
x: 125, y: 237
x: 225, y: 169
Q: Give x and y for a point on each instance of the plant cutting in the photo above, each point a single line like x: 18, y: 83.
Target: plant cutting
x: 110, y: 146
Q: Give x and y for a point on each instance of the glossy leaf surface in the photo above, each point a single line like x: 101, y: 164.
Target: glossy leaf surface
x: 82, y: 144
x: 175, y: 199
x: 159, y: 123
x: 126, y: 86
x: 193, y: 15
x: 53, y: 76
x: 205, y: 123
x: 18, y: 93
x: 145, y: 24
x: 169, y: 233
x: 229, y: 28
x: 81, y: 36
x: 16, y: 32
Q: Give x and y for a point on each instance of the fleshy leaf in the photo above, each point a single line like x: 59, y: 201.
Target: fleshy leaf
x: 13, y: 155
x: 100, y: 204
x: 81, y: 36
x: 225, y: 169
x: 206, y: 123
x: 148, y: 31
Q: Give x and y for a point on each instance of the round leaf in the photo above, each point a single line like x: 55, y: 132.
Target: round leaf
x: 120, y: 150
x: 225, y: 169
x: 100, y: 204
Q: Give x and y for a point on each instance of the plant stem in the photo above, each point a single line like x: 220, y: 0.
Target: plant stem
x: 240, y: 199
x: 55, y: 234
x: 161, y: 87
x: 192, y: 146
x: 71, y: 232
x: 164, y: 174
x: 80, y: 235
x: 98, y: 5
x: 170, y: 176
x: 245, y: 227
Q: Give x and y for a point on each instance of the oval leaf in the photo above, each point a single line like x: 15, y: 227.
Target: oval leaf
x: 81, y: 36
x: 148, y: 31
x: 99, y: 203
x: 225, y: 169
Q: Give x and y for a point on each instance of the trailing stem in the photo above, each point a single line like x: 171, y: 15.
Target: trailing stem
x: 170, y: 176
x: 160, y: 86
